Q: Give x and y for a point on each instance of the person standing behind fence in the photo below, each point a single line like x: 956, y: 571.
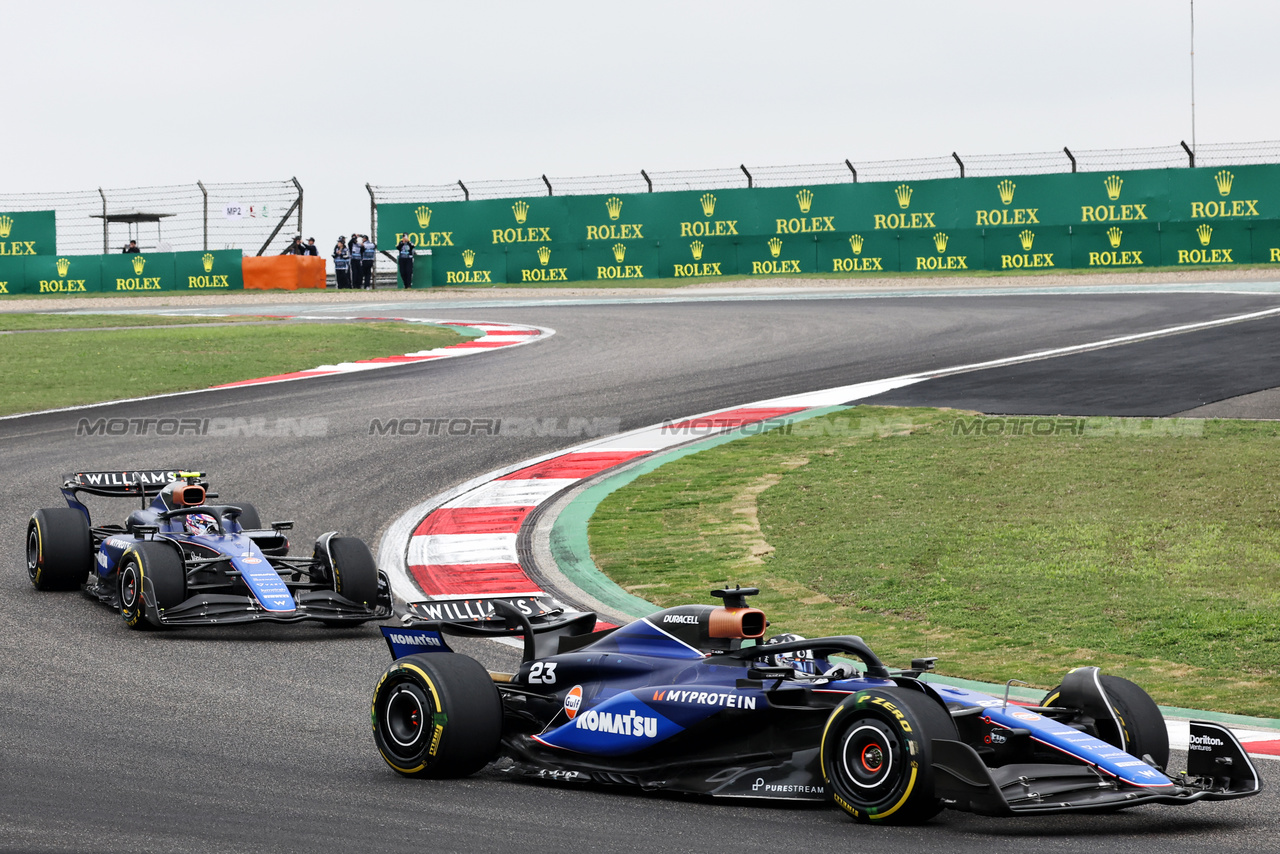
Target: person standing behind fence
x: 131, y: 246
x: 406, y: 261
x: 370, y: 252
x: 357, y: 261
x: 311, y: 248
x: 342, y: 264
x: 295, y: 247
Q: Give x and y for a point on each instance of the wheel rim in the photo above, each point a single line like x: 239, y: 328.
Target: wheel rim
x: 128, y: 587
x: 405, y: 718
x: 33, y: 551
x: 867, y: 754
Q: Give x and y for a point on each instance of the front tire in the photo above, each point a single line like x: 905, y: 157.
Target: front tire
x: 59, y: 549
x: 1142, y: 731
x: 437, y: 715
x: 877, y: 755
x: 150, y: 571
x: 351, y: 568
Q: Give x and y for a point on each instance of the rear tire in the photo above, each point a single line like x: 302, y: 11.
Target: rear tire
x: 59, y: 549
x: 1143, y: 728
x: 249, y: 518
x: 437, y: 715
x: 877, y: 755
x: 351, y: 568
x: 150, y: 571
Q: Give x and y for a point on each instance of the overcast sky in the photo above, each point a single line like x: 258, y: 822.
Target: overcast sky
x: 126, y: 94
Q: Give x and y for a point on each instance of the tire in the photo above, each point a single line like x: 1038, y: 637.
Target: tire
x: 877, y: 755
x: 437, y: 715
x: 1143, y: 731
x: 59, y: 549
x: 351, y: 569
x: 150, y: 570
x: 249, y: 519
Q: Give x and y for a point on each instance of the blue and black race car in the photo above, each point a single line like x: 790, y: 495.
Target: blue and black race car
x: 690, y: 700
x: 179, y: 560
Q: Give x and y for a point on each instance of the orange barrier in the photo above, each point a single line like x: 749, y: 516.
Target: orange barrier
x: 283, y: 272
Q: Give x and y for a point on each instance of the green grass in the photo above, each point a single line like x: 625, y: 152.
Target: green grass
x: 25, y: 322
x: 53, y: 369
x: 1009, y: 556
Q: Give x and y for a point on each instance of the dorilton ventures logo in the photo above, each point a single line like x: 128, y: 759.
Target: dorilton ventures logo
x: 139, y: 263
x: 63, y: 266
x: 423, y: 213
x: 521, y: 210
x: 805, y: 198
x: 1005, y: 188
x: 614, y: 206
x: 6, y: 226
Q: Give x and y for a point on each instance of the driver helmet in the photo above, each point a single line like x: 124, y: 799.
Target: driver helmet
x: 800, y: 660
x: 201, y: 523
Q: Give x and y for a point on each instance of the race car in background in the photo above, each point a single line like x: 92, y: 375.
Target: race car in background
x: 689, y: 700
x: 178, y: 560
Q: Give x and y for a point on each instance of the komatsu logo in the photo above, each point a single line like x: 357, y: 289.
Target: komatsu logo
x: 630, y: 723
x: 687, y: 619
x: 415, y: 640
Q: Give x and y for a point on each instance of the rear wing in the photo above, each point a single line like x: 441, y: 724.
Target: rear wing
x: 547, y: 628
x: 119, y: 484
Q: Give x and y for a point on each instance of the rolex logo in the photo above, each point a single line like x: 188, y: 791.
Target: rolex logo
x: 775, y: 247
x: 6, y: 225
x: 805, y: 198
x: 1204, y: 232
x: 207, y: 260
x: 544, y: 255
x: 696, y: 248
x: 855, y: 243
x: 708, y: 204
x: 1223, y: 179
x: 1113, y: 183
x: 521, y: 210
x: 423, y: 213
x: 63, y: 266
x: 619, y: 252
x: 1005, y: 188
x: 940, y: 241
x: 1027, y: 238
x: 614, y: 206
x: 1113, y: 235
x: 468, y: 258
x: 138, y: 263
x: 903, y: 192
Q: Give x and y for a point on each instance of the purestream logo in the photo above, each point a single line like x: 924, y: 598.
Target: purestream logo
x: 218, y: 427
x: 786, y: 788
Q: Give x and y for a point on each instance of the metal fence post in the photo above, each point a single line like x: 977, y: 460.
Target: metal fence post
x: 750, y: 183
x: 373, y: 215
x: 105, y: 250
x: 548, y: 183
x: 1070, y: 157
x: 466, y: 194
x: 1191, y: 155
x: 851, y: 169
x: 645, y: 175
x: 960, y: 162
x: 200, y: 184
x: 299, y: 186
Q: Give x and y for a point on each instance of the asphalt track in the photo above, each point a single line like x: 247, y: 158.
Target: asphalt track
x: 257, y: 738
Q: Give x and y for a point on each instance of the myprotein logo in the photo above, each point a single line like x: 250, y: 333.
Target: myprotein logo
x: 620, y: 723
x: 706, y: 698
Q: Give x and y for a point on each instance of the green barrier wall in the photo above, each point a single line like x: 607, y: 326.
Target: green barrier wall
x: 24, y: 233
x: 1102, y: 220
x: 122, y: 273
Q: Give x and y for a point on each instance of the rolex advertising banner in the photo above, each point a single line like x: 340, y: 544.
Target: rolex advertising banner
x: 138, y: 272
x: 25, y: 233
x: 1265, y: 240
x: 218, y: 270
x: 1103, y: 220
x: 12, y: 279
x: 64, y: 274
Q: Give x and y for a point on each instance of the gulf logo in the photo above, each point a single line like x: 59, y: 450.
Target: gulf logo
x: 573, y: 701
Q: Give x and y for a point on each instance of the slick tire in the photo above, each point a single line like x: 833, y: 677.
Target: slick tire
x: 59, y: 549
x: 877, y: 755
x: 351, y: 569
x: 150, y: 572
x: 1142, y: 727
x: 249, y: 518
x: 437, y: 715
